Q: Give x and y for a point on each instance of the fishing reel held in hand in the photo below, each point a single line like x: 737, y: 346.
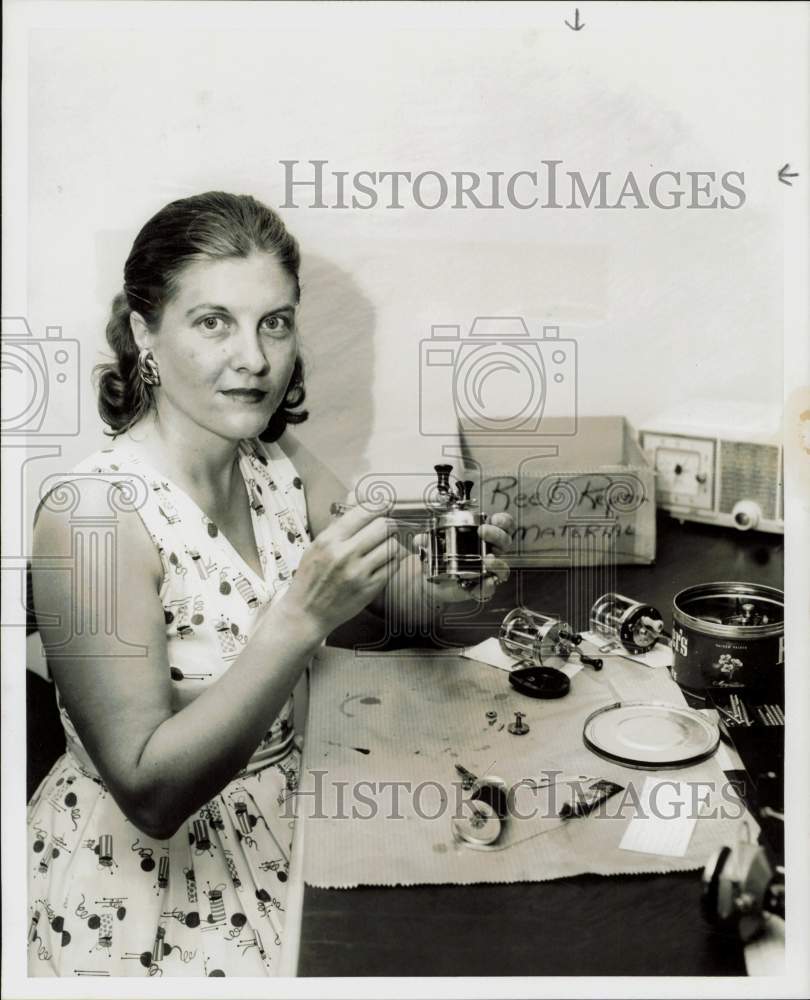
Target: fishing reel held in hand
x: 455, y: 550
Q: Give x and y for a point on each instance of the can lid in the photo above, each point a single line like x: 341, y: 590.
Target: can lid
x: 477, y: 823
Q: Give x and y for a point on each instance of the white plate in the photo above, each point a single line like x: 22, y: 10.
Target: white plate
x: 650, y: 735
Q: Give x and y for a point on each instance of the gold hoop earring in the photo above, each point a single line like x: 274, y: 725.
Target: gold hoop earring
x: 148, y: 368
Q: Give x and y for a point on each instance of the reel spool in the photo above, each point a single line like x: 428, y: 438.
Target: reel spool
x: 740, y: 887
x: 542, y: 640
x: 636, y: 626
x: 455, y: 550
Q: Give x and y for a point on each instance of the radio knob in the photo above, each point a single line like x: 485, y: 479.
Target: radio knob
x: 701, y: 477
x: 746, y: 514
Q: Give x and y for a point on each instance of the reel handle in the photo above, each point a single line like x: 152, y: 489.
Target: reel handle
x: 591, y: 661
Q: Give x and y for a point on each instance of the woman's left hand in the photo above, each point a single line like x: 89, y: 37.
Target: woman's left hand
x: 497, y: 533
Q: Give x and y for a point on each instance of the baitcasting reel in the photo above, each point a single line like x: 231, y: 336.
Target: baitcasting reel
x: 542, y: 640
x: 740, y: 887
x: 637, y: 627
x: 455, y: 550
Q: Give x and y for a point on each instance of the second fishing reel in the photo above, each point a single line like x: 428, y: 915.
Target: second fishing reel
x: 542, y: 640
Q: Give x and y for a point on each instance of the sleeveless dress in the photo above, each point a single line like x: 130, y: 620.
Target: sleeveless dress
x: 106, y: 900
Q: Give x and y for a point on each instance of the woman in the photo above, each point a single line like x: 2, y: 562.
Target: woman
x: 160, y: 841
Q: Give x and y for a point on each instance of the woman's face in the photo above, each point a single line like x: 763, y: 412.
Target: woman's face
x: 226, y: 345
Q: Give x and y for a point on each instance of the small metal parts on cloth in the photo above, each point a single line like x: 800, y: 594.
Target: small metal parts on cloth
x: 518, y: 727
x: 540, y: 682
x: 468, y: 779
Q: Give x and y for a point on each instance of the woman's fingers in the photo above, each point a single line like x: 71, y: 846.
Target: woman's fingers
x: 387, y: 551
x: 498, y: 532
x: 352, y: 521
x: 483, y: 591
x: 419, y: 542
x: 498, y: 568
x: 371, y: 535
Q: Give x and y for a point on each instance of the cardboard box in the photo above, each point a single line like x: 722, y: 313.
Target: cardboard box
x: 582, y: 499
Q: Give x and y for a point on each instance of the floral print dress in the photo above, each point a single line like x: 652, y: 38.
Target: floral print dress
x: 106, y: 900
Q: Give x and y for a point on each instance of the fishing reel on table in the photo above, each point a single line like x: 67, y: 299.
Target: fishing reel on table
x: 740, y: 888
x: 544, y: 644
x: 454, y: 550
x: 745, y: 883
x: 635, y: 626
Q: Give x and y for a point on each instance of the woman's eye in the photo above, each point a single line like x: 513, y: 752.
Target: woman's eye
x: 275, y: 324
x: 213, y: 324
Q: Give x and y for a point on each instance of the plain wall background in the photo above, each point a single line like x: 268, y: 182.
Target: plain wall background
x: 126, y: 114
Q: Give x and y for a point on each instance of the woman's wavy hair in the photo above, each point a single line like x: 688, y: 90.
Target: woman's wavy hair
x: 211, y: 226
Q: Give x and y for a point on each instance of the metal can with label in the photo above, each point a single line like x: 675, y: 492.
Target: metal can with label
x: 729, y: 635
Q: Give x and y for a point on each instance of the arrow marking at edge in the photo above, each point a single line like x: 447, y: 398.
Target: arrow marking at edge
x: 782, y: 174
x: 577, y: 25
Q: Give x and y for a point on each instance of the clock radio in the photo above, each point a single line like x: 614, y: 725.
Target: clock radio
x: 720, y: 462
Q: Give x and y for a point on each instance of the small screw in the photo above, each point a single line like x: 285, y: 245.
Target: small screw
x: 518, y: 727
x: 468, y: 779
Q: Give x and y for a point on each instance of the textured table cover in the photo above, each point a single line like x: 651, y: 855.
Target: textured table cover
x: 410, y: 716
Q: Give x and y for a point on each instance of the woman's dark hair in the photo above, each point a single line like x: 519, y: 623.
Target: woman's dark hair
x: 211, y: 226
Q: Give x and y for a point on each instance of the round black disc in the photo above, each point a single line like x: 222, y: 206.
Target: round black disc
x: 540, y: 682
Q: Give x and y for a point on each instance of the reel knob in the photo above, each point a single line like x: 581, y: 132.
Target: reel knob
x: 443, y: 475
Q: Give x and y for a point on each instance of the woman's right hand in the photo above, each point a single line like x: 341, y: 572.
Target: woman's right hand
x: 347, y: 565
